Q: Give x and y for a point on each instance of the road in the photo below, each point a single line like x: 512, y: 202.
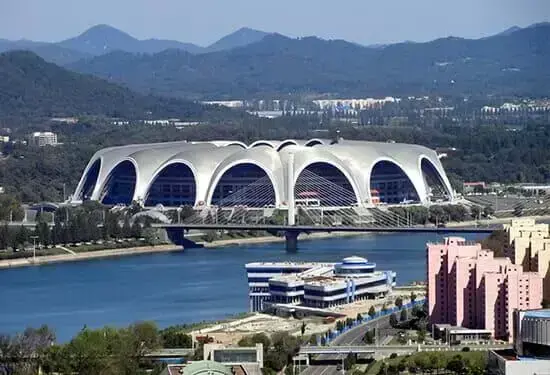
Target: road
x: 352, y: 337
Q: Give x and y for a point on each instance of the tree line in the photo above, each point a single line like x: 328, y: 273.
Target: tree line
x: 106, y: 350
x: 88, y: 222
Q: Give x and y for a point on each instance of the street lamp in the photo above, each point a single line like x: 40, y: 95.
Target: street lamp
x: 34, y: 248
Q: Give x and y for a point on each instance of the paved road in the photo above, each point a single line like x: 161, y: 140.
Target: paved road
x: 352, y: 337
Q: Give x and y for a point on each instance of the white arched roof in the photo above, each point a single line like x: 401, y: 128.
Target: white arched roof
x: 209, y: 160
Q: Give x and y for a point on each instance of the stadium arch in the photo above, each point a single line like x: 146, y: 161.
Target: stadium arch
x: 329, y: 196
x: 433, y: 179
x: 120, y: 185
x: 396, y: 187
x: 244, y: 193
x: 89, y: 182
x: 173, y: 184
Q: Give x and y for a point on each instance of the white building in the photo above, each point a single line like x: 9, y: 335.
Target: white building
x: 319, y: 285
x: 41, y: 139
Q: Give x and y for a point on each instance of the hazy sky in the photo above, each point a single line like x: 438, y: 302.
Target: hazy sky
x: 204, y: 21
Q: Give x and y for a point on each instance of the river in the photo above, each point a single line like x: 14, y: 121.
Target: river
x: 175, y: 288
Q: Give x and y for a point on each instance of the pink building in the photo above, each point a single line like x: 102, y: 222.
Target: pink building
x: 470, y: 288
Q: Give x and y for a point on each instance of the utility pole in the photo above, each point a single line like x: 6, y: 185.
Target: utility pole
x: 34, y: 248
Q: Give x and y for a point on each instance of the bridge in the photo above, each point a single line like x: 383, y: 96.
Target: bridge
x: 376, y: 349
x: 315, y: 204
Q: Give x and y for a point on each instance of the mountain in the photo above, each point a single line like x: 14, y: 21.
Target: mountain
x: 509, y: 31
x: 102, y: 39
x: 32, y: 87
x: 242, y: 37
x: 511, y: 64
x: 48, y: 51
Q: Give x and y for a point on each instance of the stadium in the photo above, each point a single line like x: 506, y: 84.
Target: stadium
x: 315, y: 172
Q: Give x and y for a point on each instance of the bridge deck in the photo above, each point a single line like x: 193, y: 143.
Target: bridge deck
x: 319, y: 228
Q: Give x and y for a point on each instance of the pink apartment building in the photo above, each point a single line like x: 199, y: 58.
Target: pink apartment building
x: 469, y: 287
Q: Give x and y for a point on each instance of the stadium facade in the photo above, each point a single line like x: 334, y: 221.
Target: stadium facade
x: 318, y: 172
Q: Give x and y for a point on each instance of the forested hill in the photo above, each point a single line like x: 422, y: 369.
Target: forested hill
x: 31, y: 87
x: 514, y: 63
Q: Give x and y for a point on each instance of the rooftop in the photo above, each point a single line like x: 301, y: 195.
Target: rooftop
x: 288, y: 264
x: 541, y: 313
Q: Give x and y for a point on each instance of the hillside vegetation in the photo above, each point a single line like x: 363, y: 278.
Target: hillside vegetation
x: 508, y: 64
x: 30, y: 87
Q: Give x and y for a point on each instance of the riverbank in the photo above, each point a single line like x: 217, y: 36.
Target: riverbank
x: 48, y: 259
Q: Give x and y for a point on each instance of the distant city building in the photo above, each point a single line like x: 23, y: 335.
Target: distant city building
x: 470, y: 187
x: 469, y: 287
x: 64, y: 120
x: 267, y: 114
x: 41, y: 139
x: 354, y: 104
x: 529, y: 247
x: 226, y: 103
x: 4, y: 139
x: 319, y: 285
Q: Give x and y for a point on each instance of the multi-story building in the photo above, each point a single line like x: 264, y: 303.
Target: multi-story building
x: 529, y: 247
x: 469, y: 287
x: 320, y: 285
x: 41, y: 139
x: 531, y: 354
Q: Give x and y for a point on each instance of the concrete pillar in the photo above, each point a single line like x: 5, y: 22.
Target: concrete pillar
x: 291, y: 238
x: 290, y: 191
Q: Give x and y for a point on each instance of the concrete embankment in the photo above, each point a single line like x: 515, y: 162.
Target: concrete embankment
x: 40, y: 260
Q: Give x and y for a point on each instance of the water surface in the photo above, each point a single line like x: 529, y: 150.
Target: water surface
x: 175, y: 288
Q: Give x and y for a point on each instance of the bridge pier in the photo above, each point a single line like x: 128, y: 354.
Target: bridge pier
x: 177, y: 237
x: 291, y: 240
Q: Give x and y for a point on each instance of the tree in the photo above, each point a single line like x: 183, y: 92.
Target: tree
x: 10, y: 208
x: 384, y: 309
x: 372, y: 312
x: 399, y: 302
x: 421, y: 335
x: 488, y: 211
x: 303, y: 328
x: 136, y: 229
x: 210, y: 236
x: 175, y: 337
x: 413, y: 297
x: 313, y: 340
x: 369, y: 337
x: 349, y: 322
x: 475, y: 212
x: 339, y: 325
x: 393, y: 320
x: 349, y: 361
x: 403, y: 316
x: 21, y: 236
x: 126, y: 228
x: 150, y: 235
x: 359, y: 317
x: 456, y: 364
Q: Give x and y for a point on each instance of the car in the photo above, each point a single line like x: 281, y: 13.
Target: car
x: 339, y: 367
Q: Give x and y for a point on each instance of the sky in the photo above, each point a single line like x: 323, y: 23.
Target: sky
x: 203, y: 22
